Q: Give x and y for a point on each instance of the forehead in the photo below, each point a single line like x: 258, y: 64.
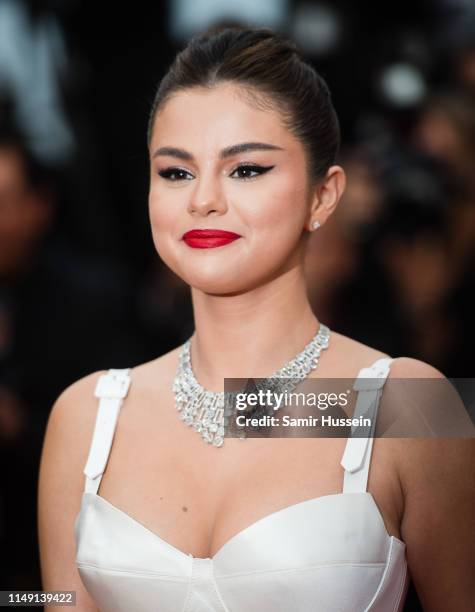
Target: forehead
x: 204, y: 119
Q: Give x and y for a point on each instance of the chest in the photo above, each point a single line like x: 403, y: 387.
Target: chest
x: 199, y: 499
x: 310, y: 556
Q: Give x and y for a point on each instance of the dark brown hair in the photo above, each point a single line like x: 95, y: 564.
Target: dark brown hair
x: 272, y: 72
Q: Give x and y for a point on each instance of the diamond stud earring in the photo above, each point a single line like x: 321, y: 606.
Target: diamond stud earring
x: 316, y: 225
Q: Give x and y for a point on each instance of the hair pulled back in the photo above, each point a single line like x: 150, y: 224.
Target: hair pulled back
x: 270, y: 68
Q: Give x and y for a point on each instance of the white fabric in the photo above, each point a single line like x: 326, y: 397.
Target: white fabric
x: 330, y: 553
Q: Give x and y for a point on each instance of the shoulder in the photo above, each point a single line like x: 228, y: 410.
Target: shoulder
x: 407, y: 367
x: 69, y: 430
x: 76, y: 402
x: 75, y: 409
x: 426, y: 403
x: 71, y: 421
x: 430, y: 412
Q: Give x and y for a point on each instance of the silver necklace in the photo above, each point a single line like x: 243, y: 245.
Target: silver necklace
x: 205, y: 410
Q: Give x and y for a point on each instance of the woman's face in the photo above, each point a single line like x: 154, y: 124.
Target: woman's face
x: 199, y: 182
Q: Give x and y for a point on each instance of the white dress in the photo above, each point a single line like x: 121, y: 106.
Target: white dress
x: 331, y: 553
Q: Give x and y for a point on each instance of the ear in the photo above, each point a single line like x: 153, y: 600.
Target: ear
x: 326, y: 195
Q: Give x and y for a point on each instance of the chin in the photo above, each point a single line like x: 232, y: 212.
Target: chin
x: 214, y: 275
x: 217, y: 282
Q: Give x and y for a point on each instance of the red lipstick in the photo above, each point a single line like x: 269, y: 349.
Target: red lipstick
x: 208, y: 238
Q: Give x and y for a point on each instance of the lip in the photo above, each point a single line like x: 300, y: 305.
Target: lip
x: 208, y: 238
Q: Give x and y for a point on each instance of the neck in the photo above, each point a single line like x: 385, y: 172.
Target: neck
x: 252, y: 334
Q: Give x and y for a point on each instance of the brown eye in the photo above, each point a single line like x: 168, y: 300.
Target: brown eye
x: 250, y: 171
x: 174, y: 174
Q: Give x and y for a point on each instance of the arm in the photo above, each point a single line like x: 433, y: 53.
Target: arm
x: 60, y: 487
x: 438, y: 525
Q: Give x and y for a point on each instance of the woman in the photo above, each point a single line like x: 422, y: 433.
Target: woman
x: 242, y: 140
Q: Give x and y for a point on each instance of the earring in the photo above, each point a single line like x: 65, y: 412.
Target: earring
x: 316, y: 225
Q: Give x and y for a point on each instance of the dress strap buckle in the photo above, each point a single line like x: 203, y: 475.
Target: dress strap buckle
x: 374, y: 377
x: 357, y: 454
x: 356, y: 448
x: 114, y: 385
x: 111, y: 388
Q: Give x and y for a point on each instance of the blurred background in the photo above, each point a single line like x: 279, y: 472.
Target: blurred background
x: 81, y: 286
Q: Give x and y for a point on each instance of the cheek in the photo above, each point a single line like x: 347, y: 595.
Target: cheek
x: 165, y: 214
x: 162, y: 210
x: 276, y: 217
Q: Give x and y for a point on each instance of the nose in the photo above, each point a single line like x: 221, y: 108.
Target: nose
x: 207, y: 197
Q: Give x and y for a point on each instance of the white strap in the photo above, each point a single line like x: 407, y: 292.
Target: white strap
x: 357, y: 456
x: 111, y: 388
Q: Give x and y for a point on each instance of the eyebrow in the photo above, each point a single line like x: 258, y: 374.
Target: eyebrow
x: 243, y: 147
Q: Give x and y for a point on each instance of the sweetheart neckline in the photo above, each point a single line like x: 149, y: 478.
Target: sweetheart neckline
x: 269, y: 516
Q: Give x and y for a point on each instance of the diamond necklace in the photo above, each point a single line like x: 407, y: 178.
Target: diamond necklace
x: 204, y: 410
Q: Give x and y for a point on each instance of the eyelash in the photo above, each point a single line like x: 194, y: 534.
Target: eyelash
x: 168, y: 172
